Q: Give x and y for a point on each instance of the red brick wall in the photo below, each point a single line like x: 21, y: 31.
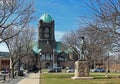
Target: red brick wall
x: 4, y: 63
x: 115, y: 67
x: 67, y: 64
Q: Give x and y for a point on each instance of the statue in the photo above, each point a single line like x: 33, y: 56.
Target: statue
x: 82, y: 65
x: 81, y: 50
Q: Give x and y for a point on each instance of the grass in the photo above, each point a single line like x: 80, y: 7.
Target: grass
x: 65, y: 78
x: 44, y: 70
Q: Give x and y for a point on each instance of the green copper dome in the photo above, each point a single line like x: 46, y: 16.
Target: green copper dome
x: 46, y: 18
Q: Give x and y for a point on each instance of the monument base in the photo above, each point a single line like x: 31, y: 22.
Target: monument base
x: 81, y: 69
x: 82, y: 78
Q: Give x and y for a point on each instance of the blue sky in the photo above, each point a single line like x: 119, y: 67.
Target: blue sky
x: 66, y: 14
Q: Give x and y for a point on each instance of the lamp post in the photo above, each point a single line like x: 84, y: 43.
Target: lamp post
x: 53, y: 58
x: 40, y: 61
x: 39, y: 66
x: 108, y: 64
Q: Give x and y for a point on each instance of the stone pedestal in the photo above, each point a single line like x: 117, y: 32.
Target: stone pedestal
x: 81, y: 70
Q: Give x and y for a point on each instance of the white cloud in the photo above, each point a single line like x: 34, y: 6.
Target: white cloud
x: 3, y: 47
x: 58, y: 35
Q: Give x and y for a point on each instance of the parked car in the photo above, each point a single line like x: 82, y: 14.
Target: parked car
x: 3, y: 71
x: 67, y: 68
x: 99, y: 70
x: 70, y: 70
x: 54, y: 69
x: 33, y: 69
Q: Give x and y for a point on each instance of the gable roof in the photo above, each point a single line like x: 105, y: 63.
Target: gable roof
x: 47, y: 49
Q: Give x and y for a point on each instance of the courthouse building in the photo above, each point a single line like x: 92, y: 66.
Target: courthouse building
x: 49, y: 52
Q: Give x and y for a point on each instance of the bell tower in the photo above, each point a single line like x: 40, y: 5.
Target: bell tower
x: 46, y: 31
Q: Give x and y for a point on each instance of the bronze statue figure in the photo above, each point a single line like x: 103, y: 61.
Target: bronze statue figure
x: 82, y: 50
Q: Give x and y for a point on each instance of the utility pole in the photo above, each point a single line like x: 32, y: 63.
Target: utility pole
x: 53, y: 58
x: 108, y: 64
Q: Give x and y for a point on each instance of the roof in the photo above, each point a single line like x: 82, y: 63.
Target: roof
x: 35, y: 47
x: 45, y: 49
x: 59, y: 48
x: 48, y: 48
x: 46, y: 18
x: 4, y: 55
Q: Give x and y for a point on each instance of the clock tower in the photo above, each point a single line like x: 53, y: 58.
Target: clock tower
x: 46, y: 31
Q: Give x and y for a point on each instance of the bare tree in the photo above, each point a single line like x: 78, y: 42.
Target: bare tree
x: 107, y: 19
x: 97, y: 43
x: 29, y: 60
x: 102, y: 34
x: 15, y: 13
x: 19, y: 46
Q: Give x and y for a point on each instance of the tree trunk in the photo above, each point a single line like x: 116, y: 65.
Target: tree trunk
x: 13, y: 76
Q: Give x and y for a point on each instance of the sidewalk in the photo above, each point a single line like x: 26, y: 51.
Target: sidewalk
x: 33, y: 78
x: 12, y: 80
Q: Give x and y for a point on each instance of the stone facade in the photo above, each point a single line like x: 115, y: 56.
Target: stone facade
x: 46, y: 40
x: 46, y: 34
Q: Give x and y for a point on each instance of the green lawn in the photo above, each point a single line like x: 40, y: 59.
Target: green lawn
x: 65, y: 78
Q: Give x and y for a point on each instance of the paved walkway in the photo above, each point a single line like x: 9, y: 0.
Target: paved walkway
x: 33, y: 78
x: 12, y: 81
